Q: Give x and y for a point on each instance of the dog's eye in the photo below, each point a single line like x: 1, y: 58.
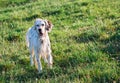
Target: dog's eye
x: 37, y: 25
x: 42, y: 24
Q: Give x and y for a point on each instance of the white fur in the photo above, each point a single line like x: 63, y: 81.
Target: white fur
x: 39, y: 45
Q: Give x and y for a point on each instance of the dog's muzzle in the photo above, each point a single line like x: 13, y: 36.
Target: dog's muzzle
x: 40, y: 32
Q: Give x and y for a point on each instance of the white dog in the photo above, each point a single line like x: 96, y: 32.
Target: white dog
x: 39, y: 44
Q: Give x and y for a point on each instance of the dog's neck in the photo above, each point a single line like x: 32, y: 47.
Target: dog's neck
x: 43, y: 38
x: 42, y: 41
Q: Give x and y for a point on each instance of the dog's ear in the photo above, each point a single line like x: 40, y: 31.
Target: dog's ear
x: 34, y: 27
x: 48, y: 25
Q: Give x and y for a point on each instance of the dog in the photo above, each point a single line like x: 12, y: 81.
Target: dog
x: 38, y: 42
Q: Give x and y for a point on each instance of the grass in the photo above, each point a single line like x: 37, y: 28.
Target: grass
x: 85, y: 41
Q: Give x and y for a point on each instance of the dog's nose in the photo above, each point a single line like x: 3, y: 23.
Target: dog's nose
x: 39, y: 30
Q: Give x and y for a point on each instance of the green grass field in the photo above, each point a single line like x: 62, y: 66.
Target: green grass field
x: 85, y: 41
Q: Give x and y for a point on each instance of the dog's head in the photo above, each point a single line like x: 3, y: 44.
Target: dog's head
x: 42, y: 26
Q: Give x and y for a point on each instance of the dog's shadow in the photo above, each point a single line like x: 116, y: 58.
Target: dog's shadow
x: 24, y: 72
x: 31, y: 73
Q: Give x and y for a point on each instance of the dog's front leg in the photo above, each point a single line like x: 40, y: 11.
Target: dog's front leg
x: 50, y: 61
x: 39, y: 65
x: 31, y: 56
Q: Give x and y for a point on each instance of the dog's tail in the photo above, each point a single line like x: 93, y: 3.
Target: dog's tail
x: 27, y: 38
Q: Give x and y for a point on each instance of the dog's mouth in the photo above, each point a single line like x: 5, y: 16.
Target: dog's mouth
x: 40, y: 32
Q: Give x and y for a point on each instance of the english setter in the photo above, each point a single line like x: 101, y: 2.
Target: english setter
x: 39, y: 44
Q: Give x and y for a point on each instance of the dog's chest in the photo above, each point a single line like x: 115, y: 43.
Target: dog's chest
x: 43, y: 46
